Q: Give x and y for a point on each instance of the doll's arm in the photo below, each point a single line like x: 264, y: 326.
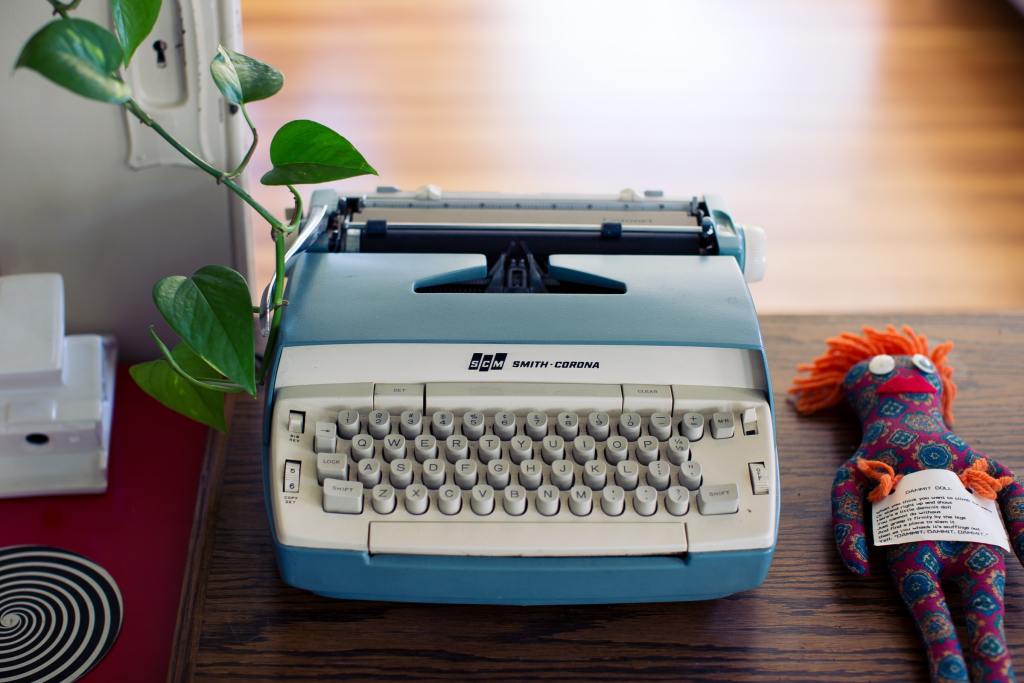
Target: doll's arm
x: 848, y: 517
x: 1011, y: 501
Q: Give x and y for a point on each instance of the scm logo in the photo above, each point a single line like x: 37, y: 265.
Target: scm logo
x: 487, y: 361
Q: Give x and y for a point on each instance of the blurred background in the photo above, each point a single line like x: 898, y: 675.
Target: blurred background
x: 880, y: 143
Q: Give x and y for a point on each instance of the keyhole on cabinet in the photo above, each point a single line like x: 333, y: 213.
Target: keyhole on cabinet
x: 161, y: 54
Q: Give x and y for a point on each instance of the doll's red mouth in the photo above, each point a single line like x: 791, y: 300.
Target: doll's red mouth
x: 913, y: 384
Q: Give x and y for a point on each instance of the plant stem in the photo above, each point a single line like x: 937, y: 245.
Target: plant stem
x: 276, y: 304
x: 62, y: 8
x: 296, y: 212
x: 277, y: 229
x: 252, y: 148
x: 224, y: 387
x: 133, y: 107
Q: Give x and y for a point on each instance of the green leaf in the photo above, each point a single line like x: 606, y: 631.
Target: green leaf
x: 212, y: 313
x: 78, y: 55
x: 133, y: 20
x: 310, y: 152
x: 161, y: 381
x: 242, y: 79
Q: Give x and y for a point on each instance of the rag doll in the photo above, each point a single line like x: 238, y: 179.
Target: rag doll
x: 903, y: 394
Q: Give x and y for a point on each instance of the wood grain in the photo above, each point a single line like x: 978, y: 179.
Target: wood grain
x: 193, y: 586
x: 880, y: 143
x: 809, y: 621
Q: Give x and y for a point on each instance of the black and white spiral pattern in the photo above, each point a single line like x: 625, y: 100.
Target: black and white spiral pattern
x: 59, y: 614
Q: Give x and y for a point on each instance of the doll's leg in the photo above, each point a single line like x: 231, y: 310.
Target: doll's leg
x: 919, y: 586
x: 982, y: 578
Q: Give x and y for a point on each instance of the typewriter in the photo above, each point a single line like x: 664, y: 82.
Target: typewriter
x: 521, y: 399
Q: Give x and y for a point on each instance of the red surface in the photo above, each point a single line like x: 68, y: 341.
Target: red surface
x: 138, y: 530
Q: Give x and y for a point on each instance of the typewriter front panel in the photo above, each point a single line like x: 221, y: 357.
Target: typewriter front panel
x: 469, y: 450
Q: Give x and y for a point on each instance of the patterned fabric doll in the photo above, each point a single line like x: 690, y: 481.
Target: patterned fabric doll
x: 903, y: 394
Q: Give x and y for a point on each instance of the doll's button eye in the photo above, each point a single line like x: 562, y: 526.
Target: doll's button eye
x: 882, y: 364
x: 923, y: 363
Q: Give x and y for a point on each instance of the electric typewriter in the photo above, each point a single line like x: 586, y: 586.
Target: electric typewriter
x: 521, y: 399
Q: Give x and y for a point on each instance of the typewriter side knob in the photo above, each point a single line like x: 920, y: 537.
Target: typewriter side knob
x: 428, y: 192
x: 755, y: 250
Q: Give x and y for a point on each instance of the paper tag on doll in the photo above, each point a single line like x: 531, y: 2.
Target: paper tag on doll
x: 934, y: 505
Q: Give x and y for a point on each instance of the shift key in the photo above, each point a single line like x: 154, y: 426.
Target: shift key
x: 721, y: 499
x: 342, y: 496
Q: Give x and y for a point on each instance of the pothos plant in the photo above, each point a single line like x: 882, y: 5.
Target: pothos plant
x: 211, y: 311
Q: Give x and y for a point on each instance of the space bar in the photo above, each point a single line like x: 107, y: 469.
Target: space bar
x: 528, y: 539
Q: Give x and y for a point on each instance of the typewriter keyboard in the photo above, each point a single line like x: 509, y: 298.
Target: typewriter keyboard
x: 515, y: 469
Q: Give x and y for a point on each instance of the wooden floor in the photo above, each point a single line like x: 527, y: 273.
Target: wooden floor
x: 880, y: 144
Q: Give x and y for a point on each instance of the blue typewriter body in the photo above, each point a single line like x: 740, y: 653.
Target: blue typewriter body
x: 392, y: 320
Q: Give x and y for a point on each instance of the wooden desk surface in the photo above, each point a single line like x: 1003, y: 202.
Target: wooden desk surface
x: 811, y: 620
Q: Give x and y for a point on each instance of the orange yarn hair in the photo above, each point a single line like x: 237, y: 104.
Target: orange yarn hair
x: 822, y: 386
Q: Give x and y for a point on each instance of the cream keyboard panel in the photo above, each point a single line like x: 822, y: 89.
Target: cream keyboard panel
x: 523, y: 469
